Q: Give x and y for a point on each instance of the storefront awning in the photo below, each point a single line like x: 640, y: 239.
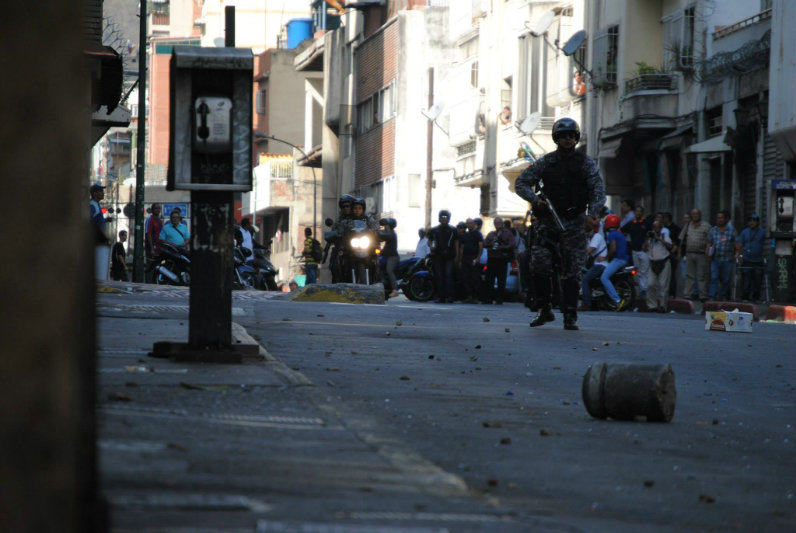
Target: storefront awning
x: 712, y: 145
x: 674, y: 139
x: 609, y: 149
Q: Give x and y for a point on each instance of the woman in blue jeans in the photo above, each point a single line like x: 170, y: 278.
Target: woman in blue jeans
x: 617, y: 252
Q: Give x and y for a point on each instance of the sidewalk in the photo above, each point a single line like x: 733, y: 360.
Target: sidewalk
x: 252, y: 447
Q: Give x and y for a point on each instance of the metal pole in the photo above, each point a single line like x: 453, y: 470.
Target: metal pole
x: 429, y: 148
x: 140, y: 158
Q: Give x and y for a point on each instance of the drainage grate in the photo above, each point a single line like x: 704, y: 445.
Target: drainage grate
x: 272, y: 526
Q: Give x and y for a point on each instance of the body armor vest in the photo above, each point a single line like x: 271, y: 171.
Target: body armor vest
x: 564, y: 182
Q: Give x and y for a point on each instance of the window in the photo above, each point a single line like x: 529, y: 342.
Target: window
x: 260, y: 104
x: 532, y: 77
x: 377, y: 109
x: 474, y: 74
x: 606, y: 55
x: 465, y: 149
x: 713, y: 121
x: 348, y: 59
x: 679, y: 32
x: 578, y: 78
x: 469, y: 48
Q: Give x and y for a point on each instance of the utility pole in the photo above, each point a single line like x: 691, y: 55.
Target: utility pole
x: 429, y: 148
x: 140, y: 158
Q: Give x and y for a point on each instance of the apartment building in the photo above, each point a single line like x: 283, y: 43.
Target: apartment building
x: 679, y: 104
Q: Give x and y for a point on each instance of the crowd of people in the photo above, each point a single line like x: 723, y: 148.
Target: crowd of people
x: 693, y: 259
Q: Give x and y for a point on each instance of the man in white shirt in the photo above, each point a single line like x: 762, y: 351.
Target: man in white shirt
x: 422, y: 249
x: 658, y: 245
x: 598, y: 252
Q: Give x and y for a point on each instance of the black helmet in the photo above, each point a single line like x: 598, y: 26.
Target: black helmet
x: 444, y: 213
x: 392, y: 222
x: 567, y: 125
x: 384, y: 222
x: 358, y: 200
x: 345, y: 199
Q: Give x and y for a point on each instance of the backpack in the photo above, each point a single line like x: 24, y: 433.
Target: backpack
x: 316, y: 252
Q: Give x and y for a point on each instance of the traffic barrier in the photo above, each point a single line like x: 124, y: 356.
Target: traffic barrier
x: 782, y: 313
x: 731, y: 306
x: 681, y: 306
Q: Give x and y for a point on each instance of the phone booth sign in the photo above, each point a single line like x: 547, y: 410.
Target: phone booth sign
x: 210, y: 119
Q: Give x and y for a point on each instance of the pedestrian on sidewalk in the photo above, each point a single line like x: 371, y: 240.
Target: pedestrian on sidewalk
x: 175, y: 230
x: 694, y: 240
x: 311, y: 254
x: 658, y: 246
x: 721, y: 251
x: 500, y: 250
x: 636, y: 232
x: 598, y: 259
x: 98, y: 222
x: 751, y: 258
x: 119, y: 269
x: 471, y: 246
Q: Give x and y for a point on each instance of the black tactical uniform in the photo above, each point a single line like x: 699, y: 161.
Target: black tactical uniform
x: 443, y: 241
x: 571, y: 181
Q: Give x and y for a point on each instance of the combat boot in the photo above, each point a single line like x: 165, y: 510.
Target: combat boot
x: 570, y: 291
x: 571, y: 321
x: 544, y: 316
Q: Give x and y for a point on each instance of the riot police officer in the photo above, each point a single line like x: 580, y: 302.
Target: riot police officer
x: 444, y: 244
x: 358, y: 213
x: 571, y: 182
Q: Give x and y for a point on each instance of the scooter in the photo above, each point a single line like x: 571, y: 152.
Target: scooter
x: 265, y: 278
x: 172, y: 266
x: 418, y: 283
x: 625, y: 285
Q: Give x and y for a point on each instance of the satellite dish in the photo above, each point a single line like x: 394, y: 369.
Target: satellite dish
x: 542, y: 24
x: 433, y: 112
x: 574, y: 43
x: 530, y: 123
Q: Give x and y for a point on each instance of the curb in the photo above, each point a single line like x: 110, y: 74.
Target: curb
x: 289, y: 376
x: 681, y: 306
x: 781, y: 313
x: 731, y: 306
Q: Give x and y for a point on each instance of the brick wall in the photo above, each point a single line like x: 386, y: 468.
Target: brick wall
x: 376, y: 67
x: 376, y: 61
x: 375, y: 154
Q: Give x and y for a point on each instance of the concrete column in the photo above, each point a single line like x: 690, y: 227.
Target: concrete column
x: 47, y: 465
x: 307, y: 116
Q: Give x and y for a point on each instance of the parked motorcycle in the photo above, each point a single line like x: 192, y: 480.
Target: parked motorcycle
x: 244, y: 276
x: 418, y: 282
x: 172, y: 266
x: 625, y: 285
x: 265, y: 278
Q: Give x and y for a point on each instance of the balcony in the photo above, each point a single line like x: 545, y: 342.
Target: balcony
x: 650, y: 95
x: 651, y: 82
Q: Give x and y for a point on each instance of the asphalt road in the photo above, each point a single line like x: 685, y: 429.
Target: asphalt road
x: 429, y: 418
x: 474, y: 390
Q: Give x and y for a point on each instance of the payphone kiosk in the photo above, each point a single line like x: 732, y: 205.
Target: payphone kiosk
x: 210, y: 155
x: 783, y: 233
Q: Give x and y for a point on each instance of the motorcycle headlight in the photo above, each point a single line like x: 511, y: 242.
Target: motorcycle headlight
x: 361, y: 243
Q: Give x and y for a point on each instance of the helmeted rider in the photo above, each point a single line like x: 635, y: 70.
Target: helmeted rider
x: 572, y: 183
x: 358, y: 213
x: 345, y: 203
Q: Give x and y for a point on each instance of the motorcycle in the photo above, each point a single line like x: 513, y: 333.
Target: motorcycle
x: 244, y: 276
x: 418, y: 282
x: 625, y: 286
x: 172, y: 266
x: 265, y: 278
x: 360, y: 249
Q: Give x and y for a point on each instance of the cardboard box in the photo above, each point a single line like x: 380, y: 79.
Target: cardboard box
x: 728, y: 321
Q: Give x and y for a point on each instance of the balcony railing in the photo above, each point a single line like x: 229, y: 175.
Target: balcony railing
x: 160, y: 19
x: 651, y: 82
x: 741, y: 24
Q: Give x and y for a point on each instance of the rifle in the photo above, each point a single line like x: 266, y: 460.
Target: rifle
x: 544, y: 199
